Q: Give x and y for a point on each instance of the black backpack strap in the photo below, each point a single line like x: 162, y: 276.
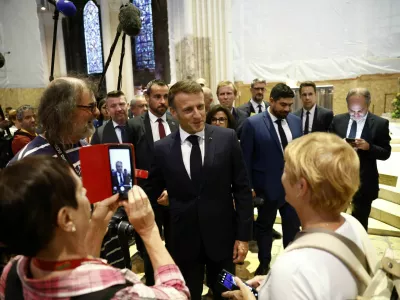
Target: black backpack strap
x: 13, y: 284
x: 105, y: 294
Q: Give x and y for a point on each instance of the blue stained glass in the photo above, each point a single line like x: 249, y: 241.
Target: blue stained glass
x: 144, y: 43
x: 91, y: 25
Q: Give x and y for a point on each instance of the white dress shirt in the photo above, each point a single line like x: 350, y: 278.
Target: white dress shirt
x: 118, y: 132
x: 154, y: 126
x: 285, y: 127
x: 310, y: 118
x: 360, y: 126
x: 255, y: 105
x: 186, y: 147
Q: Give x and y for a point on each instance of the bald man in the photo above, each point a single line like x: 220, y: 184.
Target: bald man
x: 208, y: 98
x: 202, y: 82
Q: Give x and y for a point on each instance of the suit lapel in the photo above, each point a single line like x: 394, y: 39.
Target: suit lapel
x: 177, y: 159
x: 367, y: 130
x: 251, y: 108
x: 173, y: 125
x: 315, y: 120
x: 209, y: 150
x: 271, y: 128
x: 148, y: 132
x: 342, y: 126
x: 110, y: 136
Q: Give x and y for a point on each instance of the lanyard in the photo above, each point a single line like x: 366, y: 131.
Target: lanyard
x: 61, y: 154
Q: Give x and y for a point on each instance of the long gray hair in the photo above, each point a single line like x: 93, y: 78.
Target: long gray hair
x: 57, y: 106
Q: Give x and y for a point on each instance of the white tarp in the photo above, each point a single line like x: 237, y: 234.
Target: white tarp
x: 282, y: 40
x: 20, y: 35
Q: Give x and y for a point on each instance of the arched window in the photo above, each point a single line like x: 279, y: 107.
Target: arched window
x: 91, y: 25
x: 144, y: 44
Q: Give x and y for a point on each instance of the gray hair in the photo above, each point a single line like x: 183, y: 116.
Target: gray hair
x: 359, y: 92
x: 257, y: 80
x: 21, y: 110
x: 57, y: 106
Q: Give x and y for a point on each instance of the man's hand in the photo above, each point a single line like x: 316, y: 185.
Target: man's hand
x: 361, y: 144
x: 139, y: 211
x: 243, y: 294
x: 253, y: 193
x: 240, y: 250
x: 104, y: 210
x: 163, y: 199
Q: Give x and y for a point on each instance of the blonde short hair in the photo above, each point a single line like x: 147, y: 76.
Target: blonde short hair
x: 227, y: 83
x: 329, y: 165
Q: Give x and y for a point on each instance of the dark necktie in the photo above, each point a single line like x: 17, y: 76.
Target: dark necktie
x: 282, y: 133
x: 307, y: 124
x: 196, y: 164
x: 122, y: 128
x: 121, y: 179
x: 259, y: 108
x: 161, y: 129
x: 353, y: 130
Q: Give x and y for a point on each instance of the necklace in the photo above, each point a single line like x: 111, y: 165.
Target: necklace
x: 63, y: 265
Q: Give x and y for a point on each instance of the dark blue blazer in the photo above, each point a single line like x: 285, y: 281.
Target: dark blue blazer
x: 263, y: 154
x: 205, y: 218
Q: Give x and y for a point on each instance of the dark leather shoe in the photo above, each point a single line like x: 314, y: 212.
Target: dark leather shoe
x: 276, y: 235
x: 261, y: 270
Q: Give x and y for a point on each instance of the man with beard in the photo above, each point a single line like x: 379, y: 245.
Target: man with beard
x: 153, y: 125
x: 66, y: 111
x: 256, y: 104
x: 369, y: 135
x: 116, y: 130
x: 264, y: 138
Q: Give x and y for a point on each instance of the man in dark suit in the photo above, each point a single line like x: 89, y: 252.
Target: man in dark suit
x: 203, y: 170
x: 256, y: 104
x: 119, y: 178
x: 371, y: 139
x: 116, y: 130
x: 227, y: 93
x: 153, y: 125
x: 264, y: 138
x: 313, y: 117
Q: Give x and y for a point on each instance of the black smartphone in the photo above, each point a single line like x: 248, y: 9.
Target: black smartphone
x: 350, y: 141
x: 228, y: 281
x: 122, y: 169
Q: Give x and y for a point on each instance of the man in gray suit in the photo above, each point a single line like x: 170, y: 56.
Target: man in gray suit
x: 313, y: 117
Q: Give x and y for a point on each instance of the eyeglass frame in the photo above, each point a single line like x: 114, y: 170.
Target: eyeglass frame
x: 219, y: 120
x: 92, y: 107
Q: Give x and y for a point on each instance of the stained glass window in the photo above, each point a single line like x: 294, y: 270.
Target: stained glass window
x: 91, y: 24
x: 144, y: 46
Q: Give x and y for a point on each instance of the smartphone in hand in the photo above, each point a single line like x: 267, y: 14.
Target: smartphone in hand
x: 228, y: 281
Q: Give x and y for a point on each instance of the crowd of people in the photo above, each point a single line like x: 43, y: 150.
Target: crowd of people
x: 194, y: 215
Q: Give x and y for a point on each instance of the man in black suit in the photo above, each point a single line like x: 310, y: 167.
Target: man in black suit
x: 371, y: 139
x: 313, y: 117
x: 203, y: 170
x: 227, y: 93
x: 119, y: 178
x: 153, y: 125
x: 116, y: 130
x: 256, y: 104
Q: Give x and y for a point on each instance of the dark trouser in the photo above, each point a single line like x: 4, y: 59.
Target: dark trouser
x: 264, y: 223
x: 193, y: 273
x: 162, y: 218
x: 362, y: 208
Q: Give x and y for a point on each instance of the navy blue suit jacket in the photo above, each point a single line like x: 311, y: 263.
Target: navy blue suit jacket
x: 263, y: 154
x: 205, y: 218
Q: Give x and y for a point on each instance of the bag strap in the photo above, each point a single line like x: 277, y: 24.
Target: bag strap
x: 358, y: 253
x: 13, y: 284
x: 330, y: 243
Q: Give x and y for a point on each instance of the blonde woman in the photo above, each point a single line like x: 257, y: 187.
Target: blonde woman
x: 320, y: 178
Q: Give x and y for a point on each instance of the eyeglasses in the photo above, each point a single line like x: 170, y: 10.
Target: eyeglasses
x: 219, y: 120
x: 92, y: 106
